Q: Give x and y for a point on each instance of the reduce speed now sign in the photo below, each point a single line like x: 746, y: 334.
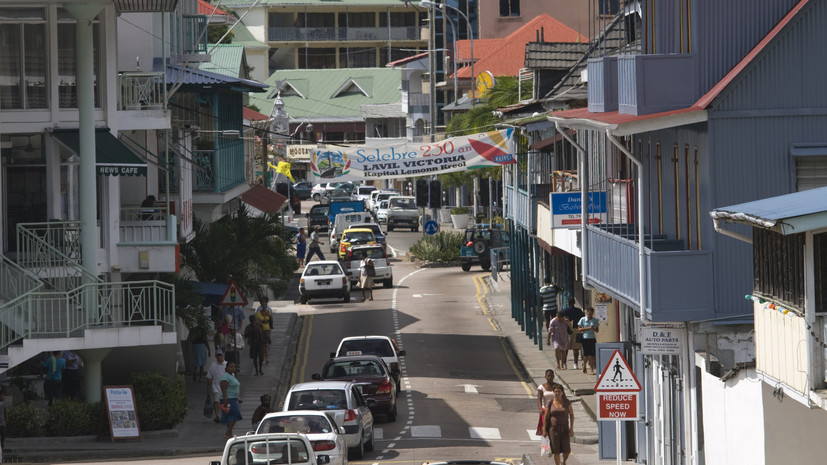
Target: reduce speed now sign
x: 617, y: 406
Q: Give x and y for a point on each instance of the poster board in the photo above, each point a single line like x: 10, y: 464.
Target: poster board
x: 121, y: 412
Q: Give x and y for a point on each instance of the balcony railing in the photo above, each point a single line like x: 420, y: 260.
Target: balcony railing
x: 143, y: 225
x: 329, y: 34
x: 141, y: 91
x: 52, y: 252
x: 15, y: 281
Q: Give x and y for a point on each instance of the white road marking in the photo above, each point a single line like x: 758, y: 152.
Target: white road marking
x: 532, y: 434
x: 484, y: 433
x: 470, y: 388
x: 418, y: 296
x: 426, y: 431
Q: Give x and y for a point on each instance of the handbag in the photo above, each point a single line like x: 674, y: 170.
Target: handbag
x: 208, y: 412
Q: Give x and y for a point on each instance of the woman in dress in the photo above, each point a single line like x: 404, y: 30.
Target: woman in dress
x: 230, y: 389
x: 256, y: 340
x: 301, y: 247
x: 558, y: 426
x: 589, y: 325
x: 365, y: 280
x: 544, y: 396
x: 558, y: 333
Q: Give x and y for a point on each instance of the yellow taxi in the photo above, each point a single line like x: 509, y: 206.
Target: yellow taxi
x: 355, y: 236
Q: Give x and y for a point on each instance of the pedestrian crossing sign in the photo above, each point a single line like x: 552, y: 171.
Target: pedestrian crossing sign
x: 617, y: 376
x: 233, y: 295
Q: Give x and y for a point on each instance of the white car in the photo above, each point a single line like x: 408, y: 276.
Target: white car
x: 326, y: 437
x: 384, y: 272
x: 293, y: 449
x: 382, y: 212
x: 382, y: 195
x: 324, y: 279
x: 362, y: 192
x: 318, y: 191
x: 344, y: 402
x: 382, y: 346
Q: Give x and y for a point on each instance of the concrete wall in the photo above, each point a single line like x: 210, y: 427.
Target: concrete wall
x: 792, y: 430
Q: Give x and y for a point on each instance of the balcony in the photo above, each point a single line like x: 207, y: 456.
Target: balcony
x: 142, y: 101
x: 674, y: 275
x: 333, y: 34
x: 649, y: 84
x: 602, y: 73
x: 188, y: 41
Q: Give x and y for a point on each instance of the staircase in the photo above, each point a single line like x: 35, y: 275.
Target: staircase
x: 48, y: 301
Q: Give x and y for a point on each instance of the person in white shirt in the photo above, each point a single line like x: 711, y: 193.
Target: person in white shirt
x: 214, y: 374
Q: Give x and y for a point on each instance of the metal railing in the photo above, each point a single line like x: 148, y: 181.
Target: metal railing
x: 329, y: 34
x: 139, y: 91
x: 52, y: 252
x: 15, y: 281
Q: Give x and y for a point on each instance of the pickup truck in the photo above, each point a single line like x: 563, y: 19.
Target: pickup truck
x: 402, y: 211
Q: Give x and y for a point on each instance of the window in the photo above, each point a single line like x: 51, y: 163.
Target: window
x: 23, y: 53
x: 810, y: 169
x: 67, y: 61
x: 509, y: 8
x: 357, y: 57
x: 778, y: 266
x: 318, y: 58
x: 820, y: 266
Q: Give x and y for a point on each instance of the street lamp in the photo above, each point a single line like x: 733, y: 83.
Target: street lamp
x: 442, y: 6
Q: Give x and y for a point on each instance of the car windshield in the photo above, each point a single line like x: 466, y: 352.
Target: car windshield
x: 323, y: 269
x: 321, y: 399
x: 275, y: 450
x: 358, y: 236
x: 354, y: 369
x: 306, y: 424
x: 379, y: 347
x: 404, y: 204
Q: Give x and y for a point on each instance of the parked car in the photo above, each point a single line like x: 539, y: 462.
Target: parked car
x: 324, y: 279
x: 403, y: 212
x: 371, y: 376
x: 326, y: 437
x: 303, y: 188
x: 319, y: 215
x: 282, y: 448
x: 354, y: 236
x: 478, y: 242
x: 382, y: 212
x: 384, y: 272
x: 382, y: 346
x: 319, y: 190
x: 344, y: 401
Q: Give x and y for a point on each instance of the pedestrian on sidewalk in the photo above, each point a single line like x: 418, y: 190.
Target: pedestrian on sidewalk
x: 262, y: 410
x: 545, y: 392
x: 256, y: 341
x: 230, y: 403
x: 265, y: 316
x: 548, y: 295
x: 214, y: 374
x: 53, y: 382
x: 315, y: 247
x: 558, y: 333
x: 589, y: 325
x: 559, y: 425
x: 200, y: 352
x: 301, y: 247
x: 573, y: 314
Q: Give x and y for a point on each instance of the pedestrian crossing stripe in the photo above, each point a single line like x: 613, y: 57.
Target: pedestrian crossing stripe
x: 617, y: 376
x: 435, y: 431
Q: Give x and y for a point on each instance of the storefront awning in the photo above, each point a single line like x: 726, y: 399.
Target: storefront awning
x: 113, y: 158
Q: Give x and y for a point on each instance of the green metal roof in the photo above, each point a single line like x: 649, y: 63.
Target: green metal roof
x: 243, y: 36
x: 319, y: 3
x: 330, y: 94
x: 226, y: 59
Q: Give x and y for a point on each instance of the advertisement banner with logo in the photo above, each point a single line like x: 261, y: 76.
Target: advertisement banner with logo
x: 408, y: 159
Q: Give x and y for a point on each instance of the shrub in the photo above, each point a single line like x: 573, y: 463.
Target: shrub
x: 441, y: 247
x: 26, y: 420
x: 161, y: 401
x: 71, y: 418
x: 460, y: 211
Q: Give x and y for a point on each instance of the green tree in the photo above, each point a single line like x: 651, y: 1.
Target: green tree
x: 255, y: 251
x: 216, y: 32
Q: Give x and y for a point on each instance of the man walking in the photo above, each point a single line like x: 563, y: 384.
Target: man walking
x: 214, y: 374
x: 548, y: 295
x: 574, y: 315
x: 314, y: 247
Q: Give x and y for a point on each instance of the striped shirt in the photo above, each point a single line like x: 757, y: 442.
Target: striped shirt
x: 548, y: 294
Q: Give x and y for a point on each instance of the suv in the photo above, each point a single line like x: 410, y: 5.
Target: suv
x: 345, y: 402
x: 402, y: 211
x: 353, y: 259
x: 478, y: 242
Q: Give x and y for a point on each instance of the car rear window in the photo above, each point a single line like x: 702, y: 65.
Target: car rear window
x: 354, y: 369
x: 321, y: 399
x: 403, y: 203
x: 323, y: 269
x: 306, y: 424
x: 358, y: 236
x: 379, y: 347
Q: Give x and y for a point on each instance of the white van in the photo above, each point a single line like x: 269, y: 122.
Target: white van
x: 342, y: 222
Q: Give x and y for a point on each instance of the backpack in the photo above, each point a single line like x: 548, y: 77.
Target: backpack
x: 369, y: 269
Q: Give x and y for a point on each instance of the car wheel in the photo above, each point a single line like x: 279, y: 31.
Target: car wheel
x: 480, y: 247
x: 392, y: 414
x: 466, y: 266
x: 369, y: 444
x: 485, y: 266
x: 357, y: 452
x: 303, y: 299
x: 347, y: 298
x: 387, y: 283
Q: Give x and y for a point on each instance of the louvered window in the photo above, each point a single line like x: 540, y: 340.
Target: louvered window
x: 778, y: 266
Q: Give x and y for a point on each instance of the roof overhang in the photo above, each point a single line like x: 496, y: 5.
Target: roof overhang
x: 145, y: 6
x: 112, y: 157
x: 794, y: 213
x: 623, y: 125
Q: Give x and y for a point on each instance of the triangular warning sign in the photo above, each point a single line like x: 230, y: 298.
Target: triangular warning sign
x: 617, y: 376
x: 233, y: 295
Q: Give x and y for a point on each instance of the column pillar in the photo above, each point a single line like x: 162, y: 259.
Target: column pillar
x: 93, y: 378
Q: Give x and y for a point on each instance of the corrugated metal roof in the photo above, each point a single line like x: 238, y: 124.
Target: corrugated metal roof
x: 206, y: 8
x: 788, y: 214
x: 318, y: 3
x: 226, y: 59
x: 407, y: 60
x: 318, y: 100
x: 264, y: 199
x: 191, y: 76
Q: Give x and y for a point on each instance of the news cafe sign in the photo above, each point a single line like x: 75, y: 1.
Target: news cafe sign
x: 566, y: 209
x: 661, y: 338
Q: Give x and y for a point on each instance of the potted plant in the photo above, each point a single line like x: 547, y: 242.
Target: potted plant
x: 460, y: 217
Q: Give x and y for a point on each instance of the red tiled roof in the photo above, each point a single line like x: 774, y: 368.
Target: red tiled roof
x: 252, y: 115
x: 406, y: 60
x: 205, y: 8
x: 264, y: 199
x: 505, y: 57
